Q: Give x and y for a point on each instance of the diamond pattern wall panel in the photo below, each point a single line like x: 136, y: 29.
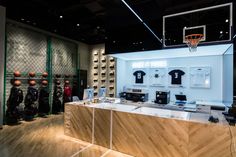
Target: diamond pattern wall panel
x: 63, y: 57
x: 26, y: 51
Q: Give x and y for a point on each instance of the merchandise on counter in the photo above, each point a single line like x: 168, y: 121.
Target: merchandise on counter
x: 136, y: 96
x: 162, y: 97
x: 102, y: 92
x: 139, y: 76
x: 14, y: 100
x: 176, y: 76
x: 57, y: 94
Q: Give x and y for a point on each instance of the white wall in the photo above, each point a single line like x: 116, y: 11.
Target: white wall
x: 228, y: 75
x: 2, y: 56
x: 120, y: 73
x: 216, y: 92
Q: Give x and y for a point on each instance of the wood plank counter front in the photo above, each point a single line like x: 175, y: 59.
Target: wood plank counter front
x: 147, y: 135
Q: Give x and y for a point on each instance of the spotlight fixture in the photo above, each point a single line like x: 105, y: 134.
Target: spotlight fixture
x: 221, y: 32
x: 227, y: 20
x: 22, y: 19
x: 61, y: 16
x: 77, y: 24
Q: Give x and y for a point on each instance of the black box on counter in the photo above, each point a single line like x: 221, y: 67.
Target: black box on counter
x: 162, y: 97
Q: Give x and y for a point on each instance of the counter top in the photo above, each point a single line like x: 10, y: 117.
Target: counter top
x: 157, y: 112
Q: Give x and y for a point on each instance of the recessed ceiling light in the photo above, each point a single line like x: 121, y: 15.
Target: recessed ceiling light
x: 221, y: 32
x: 227, y: 20
x: 78, y: 24
x: 114, y: 41
x: 22, y: 19
x: 34, y: 23
x: 98, y: 27
x: 28, y: 21
x: 227, y: 32
x: 61, y: 17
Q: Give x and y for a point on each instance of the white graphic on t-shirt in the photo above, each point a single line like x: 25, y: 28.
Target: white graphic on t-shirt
x: 199, y: 76
x: 156, y: 77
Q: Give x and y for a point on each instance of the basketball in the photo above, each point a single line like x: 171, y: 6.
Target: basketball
x: 45, y: 82
x: 58, y: 82
x: 17, y: 82
x: 17, y: 74
x: 32, y: 82
x: 45, y: 74
x: 32, y: 74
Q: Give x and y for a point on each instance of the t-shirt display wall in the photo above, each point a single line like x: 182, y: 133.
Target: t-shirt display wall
x: 199, y: 78
x: 102, y: 72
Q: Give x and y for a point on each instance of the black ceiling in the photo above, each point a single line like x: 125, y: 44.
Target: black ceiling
x: 96, y: 17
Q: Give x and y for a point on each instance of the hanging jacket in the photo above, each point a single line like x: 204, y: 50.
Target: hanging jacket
x: 43, y: 100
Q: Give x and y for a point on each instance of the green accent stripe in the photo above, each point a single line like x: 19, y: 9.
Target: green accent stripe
x: 5, y: 81
x: 49, y: 70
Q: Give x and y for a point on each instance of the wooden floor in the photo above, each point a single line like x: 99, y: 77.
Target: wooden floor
x: 44, y: 137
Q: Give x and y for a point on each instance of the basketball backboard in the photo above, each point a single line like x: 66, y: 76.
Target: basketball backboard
x: 215, y: 23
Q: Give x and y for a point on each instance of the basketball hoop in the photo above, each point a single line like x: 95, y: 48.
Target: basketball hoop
x: 192, y: 41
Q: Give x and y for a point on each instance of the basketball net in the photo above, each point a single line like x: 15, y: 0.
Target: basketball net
x: 192, y: 41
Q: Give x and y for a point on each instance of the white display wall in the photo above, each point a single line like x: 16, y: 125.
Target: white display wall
x: 218, y: 85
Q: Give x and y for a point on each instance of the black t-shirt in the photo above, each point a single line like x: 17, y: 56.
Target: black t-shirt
x: 139, y: 76
x: 176, y: 76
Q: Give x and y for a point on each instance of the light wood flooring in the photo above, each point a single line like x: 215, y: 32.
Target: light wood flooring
x: 44, y: 137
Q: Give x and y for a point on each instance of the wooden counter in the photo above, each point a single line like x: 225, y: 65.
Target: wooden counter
x: 150, y: 136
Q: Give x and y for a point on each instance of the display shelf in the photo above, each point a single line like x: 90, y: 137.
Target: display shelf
x: 103, y: 68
